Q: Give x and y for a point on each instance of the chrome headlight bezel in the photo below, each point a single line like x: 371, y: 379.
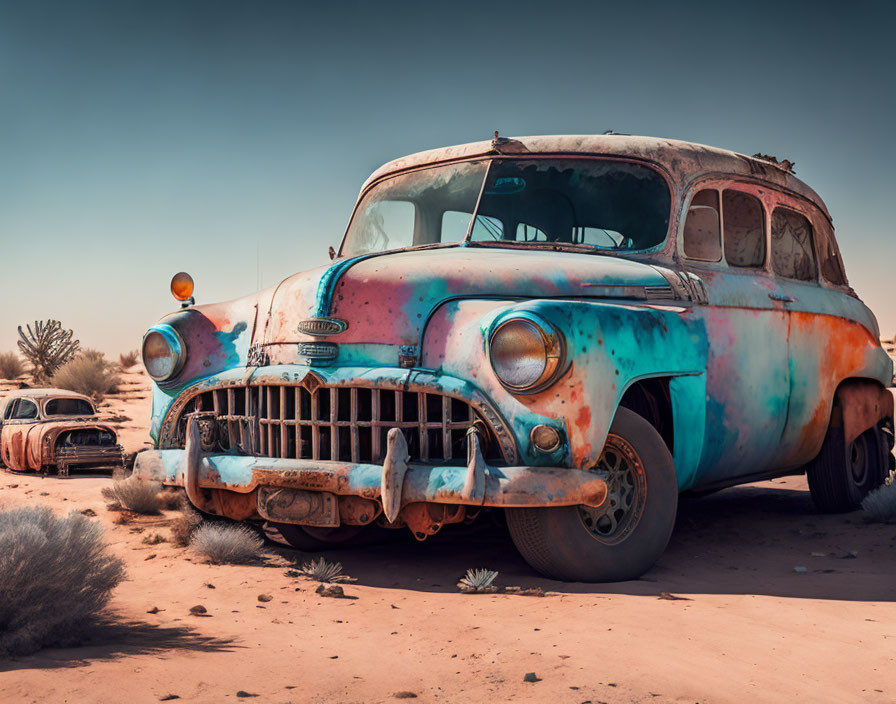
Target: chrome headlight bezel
x: 554, y: 351
x: 174, y: 342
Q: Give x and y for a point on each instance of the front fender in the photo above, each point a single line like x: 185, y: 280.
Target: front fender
x: 610, y: 346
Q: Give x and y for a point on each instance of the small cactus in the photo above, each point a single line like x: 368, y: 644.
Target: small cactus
x: 323, y: 571
x: 478, y: 582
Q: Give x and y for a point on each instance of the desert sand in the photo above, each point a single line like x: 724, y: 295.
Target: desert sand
x: 744, y: 625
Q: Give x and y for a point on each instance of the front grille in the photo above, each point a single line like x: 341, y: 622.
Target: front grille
x: 346, y: 424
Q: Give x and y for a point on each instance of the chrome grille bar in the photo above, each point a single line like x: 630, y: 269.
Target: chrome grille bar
x: 346, y: 424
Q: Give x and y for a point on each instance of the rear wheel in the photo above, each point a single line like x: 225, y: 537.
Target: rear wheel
x: 625, y: 537
x: 842, y: 475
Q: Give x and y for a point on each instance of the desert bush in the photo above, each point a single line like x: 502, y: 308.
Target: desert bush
x: 478, y: 582
x: 55, y: 578
x: 47, y: 347
x: 184, y: 525
x: 171, y: 499
x: 11, y: 366
x: 135, y: 495
x: 323, y: 571
x: 128, y: 359
x: 89, y: 374
x: 880, y: 504
x: 222, y: 543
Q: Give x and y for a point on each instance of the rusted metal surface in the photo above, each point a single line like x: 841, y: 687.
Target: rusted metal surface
x: 862, y: 405
x: 288, y: 387
x: 42, y: 441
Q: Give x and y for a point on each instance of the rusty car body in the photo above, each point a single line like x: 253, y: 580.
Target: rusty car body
x: 573, y: 329
x: 44, y: 428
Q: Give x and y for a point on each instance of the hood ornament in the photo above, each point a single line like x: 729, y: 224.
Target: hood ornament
x: 321, y: 326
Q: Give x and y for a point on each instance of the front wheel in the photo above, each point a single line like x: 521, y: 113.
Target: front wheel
x: 625, y: 537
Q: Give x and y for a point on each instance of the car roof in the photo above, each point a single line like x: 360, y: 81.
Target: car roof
x: 44, y: 393
x: 684, y: 161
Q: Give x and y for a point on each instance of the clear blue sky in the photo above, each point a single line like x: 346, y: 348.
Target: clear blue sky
x: 141, y: 138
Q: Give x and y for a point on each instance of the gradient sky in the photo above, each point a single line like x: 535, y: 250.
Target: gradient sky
x: 141, y: 138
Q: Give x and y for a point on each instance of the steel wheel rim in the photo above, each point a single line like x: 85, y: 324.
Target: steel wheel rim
x: 622, y: 469
x: 858, y: 460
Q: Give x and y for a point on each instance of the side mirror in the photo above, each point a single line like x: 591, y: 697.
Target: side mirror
x: 332, y: 253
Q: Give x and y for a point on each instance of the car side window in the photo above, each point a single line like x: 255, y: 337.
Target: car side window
x: 744, y: 229
x: 830, y: 261
x: 702, y: 232
x: 25, y: 410
x: 792, y: 252
x: 10, y: 409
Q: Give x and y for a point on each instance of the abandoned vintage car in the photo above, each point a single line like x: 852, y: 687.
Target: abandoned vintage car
x: 571, y: 329
x: 44, y: 428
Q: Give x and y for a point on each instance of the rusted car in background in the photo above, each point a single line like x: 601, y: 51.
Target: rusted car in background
x: 572, y: 330
x: 44, y: 428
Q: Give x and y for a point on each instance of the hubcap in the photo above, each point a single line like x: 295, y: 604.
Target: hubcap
x: 858, y: 460
x: 623, y: 471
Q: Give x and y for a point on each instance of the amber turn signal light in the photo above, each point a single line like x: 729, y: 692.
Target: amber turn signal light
x: 182, y: 286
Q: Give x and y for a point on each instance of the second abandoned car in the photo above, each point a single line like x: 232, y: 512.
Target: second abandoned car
x: 572, y: 330
x: 52, y: 428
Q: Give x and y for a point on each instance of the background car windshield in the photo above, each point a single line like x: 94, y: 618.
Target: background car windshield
x: 416, y: 208
x: 602, y: 203
x: 68, y: 407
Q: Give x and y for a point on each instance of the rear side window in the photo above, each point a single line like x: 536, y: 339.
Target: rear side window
x: 792, y: 253
x: 702, y: 233
x: 744, y: 229
x: 830, y: 261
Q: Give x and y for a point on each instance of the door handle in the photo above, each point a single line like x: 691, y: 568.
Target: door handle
x: 781, y: 297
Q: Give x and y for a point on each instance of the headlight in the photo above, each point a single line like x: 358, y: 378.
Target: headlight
x: 526, y: 353
x: 163, y: 352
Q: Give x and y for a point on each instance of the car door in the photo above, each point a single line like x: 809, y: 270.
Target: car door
x: 20, y: 418
x: 832, y: 333
x: 724, y: 241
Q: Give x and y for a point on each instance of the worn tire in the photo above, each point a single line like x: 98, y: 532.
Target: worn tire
x: 559, y: 543
x: 841, y: 476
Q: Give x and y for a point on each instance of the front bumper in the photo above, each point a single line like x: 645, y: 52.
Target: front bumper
x: 283, y: 485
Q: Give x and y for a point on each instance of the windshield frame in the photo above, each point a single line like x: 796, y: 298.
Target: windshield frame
x: 513, y: 244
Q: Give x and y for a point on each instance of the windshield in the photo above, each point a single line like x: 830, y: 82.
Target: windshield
x: 68, y: 407
x: 601, y: 203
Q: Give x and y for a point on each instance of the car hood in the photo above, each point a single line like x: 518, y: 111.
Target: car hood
x: 388, y: 298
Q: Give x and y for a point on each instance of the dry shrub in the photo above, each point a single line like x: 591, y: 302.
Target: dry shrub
x: 11, y: 366
x: 128, y: 359
x: 880, y: 504
x: 222, y: 543
x: 171, y: 499
x: 135, y: 495
x: 89, y: 373
x: 183, y: 526
x: 55, y: 578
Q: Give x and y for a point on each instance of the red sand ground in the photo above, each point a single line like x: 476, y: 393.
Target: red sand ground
x: 749, y: 628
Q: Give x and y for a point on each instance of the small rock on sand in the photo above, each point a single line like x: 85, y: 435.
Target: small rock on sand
x: 333, y: 590
x: 264, y: 598
x: 404, y: 695
x: 531, y: 677
x: 198, y: 610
